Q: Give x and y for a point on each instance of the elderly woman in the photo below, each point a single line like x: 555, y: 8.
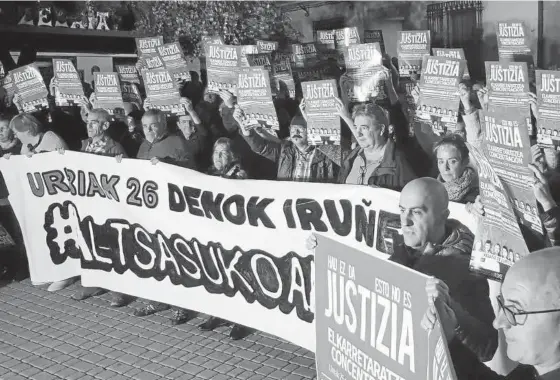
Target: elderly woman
x: 225, y: 163
x: 460, y: 180
x: 29, y: 131
x: 376, y: 161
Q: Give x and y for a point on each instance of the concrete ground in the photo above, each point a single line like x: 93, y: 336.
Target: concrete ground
x: 47, y: 336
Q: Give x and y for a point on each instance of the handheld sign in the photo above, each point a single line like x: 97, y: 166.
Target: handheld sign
x: 373, y: 36
x: 498, y: 239
x: 323, y: 123
x: 255, y: 98
x: 412, y: 46
x: 108, y: 91
x: 174, y: 60
x: 29, y: 85
x: 162, y: 91
x: 148, y: 45
x: 439, y: 100
x: 457, y: 53
x: 128, y: 73
x: 69, y: 88
x: 266, y: 46
x: 222, y: 65
x: 548, y: 104
x: 364, y: 69
x: 369, y: 315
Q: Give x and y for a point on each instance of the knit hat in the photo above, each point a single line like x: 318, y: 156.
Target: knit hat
x: 298, y: 120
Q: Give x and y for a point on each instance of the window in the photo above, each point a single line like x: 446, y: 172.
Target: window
x: 458, y: 24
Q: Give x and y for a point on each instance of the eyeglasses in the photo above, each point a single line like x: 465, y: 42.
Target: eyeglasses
x: 518, y: 318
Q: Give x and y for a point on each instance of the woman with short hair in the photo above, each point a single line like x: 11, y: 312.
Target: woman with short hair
x: 460, y: 180
x: 29, y: 131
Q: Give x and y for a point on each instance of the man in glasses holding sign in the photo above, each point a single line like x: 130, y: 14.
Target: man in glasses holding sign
x: 529, y: 315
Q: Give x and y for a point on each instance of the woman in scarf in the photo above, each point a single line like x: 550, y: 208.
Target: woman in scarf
x: 225, y: 163
x: 460, y: 180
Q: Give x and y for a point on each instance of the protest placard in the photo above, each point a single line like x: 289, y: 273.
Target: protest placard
x: 375, y: 35
x: 162, y: 91
x: 548, y: 104
x: 108, y: 91
x: 304, y: 55
x: 498, y: 239
x: 323, y: 122
x: 235, y: 249
x: 69, y: 88
x: 30, y: 87
x: 344, y: 38
x: 514, y: 44
x: 261, y: 59
x: 456, y: 53
x: 128, y: 73
x: 369, y: 313
x: 508, y: 85
x: 222, y: 65
x: 131, y: 93
x: 266, y: 46
x: 148, y: 45
x: 364, y: 79
x: 7, y: 84
x: 326, y: 44
x: 507, y: 147
x: 244, y: 51
x: 412, y: 46
x: 283, y: 76
x: 174, y: 60
x: 439, y: 100
x: 255, y: 98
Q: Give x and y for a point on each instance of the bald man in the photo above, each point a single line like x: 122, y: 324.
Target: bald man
x: 529, y: 315
x: 440, y: 247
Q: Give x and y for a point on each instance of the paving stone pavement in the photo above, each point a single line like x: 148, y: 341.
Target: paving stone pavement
x: 46, y: 336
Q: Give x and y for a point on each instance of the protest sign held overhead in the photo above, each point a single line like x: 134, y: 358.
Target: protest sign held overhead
x: 507, y: 147
x: 458, y: 53
x: 514, y: 44
x: 222, y: 65
x: 344, y: 38
x: 7, y: 84
x: 261, y: 59
x: 229, y: 248
x: 283, y: 76
x: 255, y: 98
x: 162, y: 91
x: 498, y: 239
x: 148, y: 45
x: 266, y: 46
x: 548, y: 104
x: 323, y: 122
x: 30, y: 88
x: 174, y: 60
x: 364, y: 78
x: 373, y: 36
x: 304, y: 55
x: 412, y: 46
x: 108, y: 91
x: 439, y: 100
x: 326, y: 44
x: 369, y: 313
x: 128, y: 73
x: 131, y: 93
x: 244, y: 51
x: 69, y: 86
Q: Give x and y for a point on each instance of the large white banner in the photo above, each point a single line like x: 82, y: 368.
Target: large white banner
x: 235, y: 249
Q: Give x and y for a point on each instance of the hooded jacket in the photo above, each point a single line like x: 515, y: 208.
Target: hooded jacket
x: 469, y: 293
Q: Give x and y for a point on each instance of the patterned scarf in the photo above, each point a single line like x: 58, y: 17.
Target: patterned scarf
x: 458, y: 188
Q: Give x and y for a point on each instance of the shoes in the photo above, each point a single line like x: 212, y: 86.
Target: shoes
x: 211, y: 323
x: 152, y: 308
x: 85, y: 293
x: 179, y: 317
x: 59, y: 285
x: 120, y: 300
x: 239, y: 332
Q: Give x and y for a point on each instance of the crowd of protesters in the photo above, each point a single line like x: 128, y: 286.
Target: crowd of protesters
x: 382, y: 147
